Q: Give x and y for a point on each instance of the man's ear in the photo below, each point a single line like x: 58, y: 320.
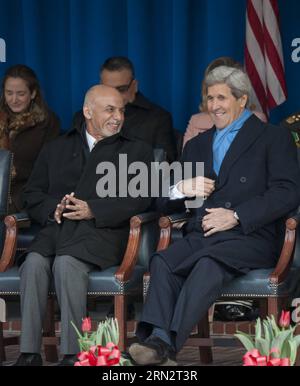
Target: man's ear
x: 136, y: 86
x: 244, y: 100
x: 87, y: 112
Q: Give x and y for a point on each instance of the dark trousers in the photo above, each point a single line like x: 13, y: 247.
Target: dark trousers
x: 176, y: 303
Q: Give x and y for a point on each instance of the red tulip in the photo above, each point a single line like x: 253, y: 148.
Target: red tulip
x: 285, y: 319
x: 86, y: 325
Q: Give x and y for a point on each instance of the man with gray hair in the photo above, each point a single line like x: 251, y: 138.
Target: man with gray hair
x: 251, y: 180
x: 80, y: 230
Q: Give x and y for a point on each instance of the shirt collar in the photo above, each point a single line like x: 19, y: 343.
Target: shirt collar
x: 91, y: 141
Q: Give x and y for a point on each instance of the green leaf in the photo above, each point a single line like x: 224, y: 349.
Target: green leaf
x: 269, y: 336
x: 99, y: 334
x: 275, y: 328
x: 278, y: 341
x: 285, y: 349
x: 257, y: 329
x: 77, y: 331
x: 293, y: 352
x: 246, y: 340
x: 262, y: 346
x: 296, y: 339
x: 125, y: 362
x: 115, y: 331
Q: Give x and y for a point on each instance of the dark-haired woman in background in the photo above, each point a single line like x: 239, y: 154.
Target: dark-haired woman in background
x: 26, y: 123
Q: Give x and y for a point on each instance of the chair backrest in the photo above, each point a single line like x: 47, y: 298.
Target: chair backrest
x: 150, y: 231
x: 296, y: 262
x: 159, y: 154
x: 5, y: 179
x: 179, y: 142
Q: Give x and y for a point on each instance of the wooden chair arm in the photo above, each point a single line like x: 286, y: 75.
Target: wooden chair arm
x: 12, y: 223
x: 287, y: 253
x: 130, y: 257
x: 166, y: 224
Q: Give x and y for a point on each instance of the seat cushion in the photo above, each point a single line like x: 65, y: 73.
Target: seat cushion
x: 10, y: 282
x: 256, y: 283
x: 100, y: 282
x: 104, y: 282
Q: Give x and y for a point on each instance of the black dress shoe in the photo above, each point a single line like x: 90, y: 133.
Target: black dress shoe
x: 153, y: 351
x: 29, y: 360
x: 68, y: 360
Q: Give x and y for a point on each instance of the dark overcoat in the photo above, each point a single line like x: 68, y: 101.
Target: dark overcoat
x: 25, y: 146
x: 65, y: 165
x: 260, y: 180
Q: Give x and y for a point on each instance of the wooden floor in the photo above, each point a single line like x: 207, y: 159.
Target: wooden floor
x: 189, y: 356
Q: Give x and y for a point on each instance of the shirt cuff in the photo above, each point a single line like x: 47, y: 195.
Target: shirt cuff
x: 174, y: 193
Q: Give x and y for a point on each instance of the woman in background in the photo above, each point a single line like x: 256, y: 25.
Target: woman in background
x: 26, y: 123
x: 201, y: 122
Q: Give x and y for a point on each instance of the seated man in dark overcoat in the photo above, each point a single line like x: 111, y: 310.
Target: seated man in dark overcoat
x: 251, y: 180
x: 80, y: 230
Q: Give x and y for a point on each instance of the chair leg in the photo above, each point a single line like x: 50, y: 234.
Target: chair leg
x: 2, y: 350
x: 203, y: 332
x: 263, y: 308
x: 50, y: 347
x: 275, y: 306
x: 121, y: 316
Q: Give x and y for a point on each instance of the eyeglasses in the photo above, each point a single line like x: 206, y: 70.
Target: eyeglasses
x: 124, y: 88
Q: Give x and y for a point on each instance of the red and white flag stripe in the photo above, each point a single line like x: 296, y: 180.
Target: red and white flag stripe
x: 263, y: 54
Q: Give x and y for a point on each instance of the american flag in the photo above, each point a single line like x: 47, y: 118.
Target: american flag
x: 263, y: 54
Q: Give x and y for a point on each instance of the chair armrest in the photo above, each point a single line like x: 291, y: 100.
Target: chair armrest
x: 12, y: 223
x: 21, y: 216
x: 135, y: 233
x: 287, y: 252
x: 166, y: 223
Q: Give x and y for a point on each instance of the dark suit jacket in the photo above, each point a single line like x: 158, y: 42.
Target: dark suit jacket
x: 259, y: 179
x: 65, y: 165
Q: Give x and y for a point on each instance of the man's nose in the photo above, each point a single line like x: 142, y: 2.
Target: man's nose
x: 118, y: 115
x: 215, y: 104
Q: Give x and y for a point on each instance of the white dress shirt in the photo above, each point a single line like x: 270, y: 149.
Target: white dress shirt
x: 90, y: 140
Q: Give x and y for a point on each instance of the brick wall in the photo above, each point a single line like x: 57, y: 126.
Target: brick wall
x: 216, y: 327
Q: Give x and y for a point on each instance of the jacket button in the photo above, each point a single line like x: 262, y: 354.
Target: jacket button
x: 75, y: 154
x: 227, y: 205
x: 243, y: 180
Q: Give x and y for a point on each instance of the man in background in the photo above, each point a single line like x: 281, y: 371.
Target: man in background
x: 144, y: 120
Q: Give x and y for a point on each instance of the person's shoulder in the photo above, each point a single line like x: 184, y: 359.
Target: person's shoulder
x: 201, y: 121
x: 142, y: 101
x: 61, y: 140
x: 136, y: 143
x: 199, y: 139
x: 260, y: 115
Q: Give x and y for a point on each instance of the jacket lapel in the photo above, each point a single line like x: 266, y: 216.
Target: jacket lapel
x: 209, y: 166
x: 244, y: 139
